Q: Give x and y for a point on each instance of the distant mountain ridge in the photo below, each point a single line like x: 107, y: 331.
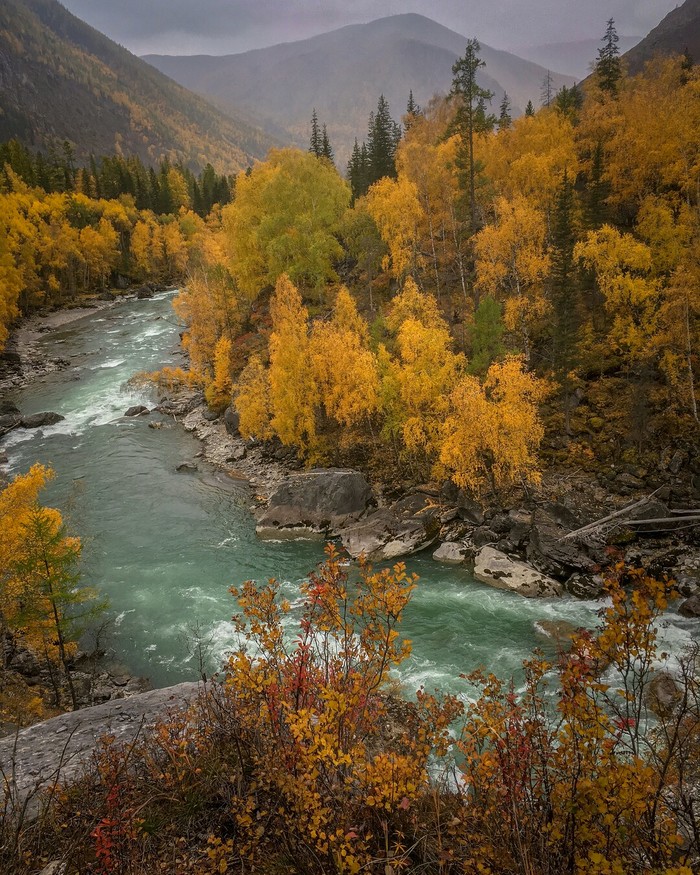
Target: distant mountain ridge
x: 62, y: 80
x: 573, y: 58
x: 343, y: 72
x: 678, y: 31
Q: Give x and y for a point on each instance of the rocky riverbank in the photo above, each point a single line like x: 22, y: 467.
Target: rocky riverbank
x: 557, y: 539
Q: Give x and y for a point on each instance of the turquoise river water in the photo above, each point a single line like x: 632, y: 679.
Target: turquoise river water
x: 164, y: 547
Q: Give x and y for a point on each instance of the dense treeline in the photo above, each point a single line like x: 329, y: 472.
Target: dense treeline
x: 568, y: 240
x: 163, y: 190
x: 66, y: 230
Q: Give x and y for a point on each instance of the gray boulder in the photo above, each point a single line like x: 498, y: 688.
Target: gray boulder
x: 137, y: 410
x: 547, y: 548
x: 498, y: 570
x: 144, y: 292
x: 62, y: 746
x: 585, y: 586
x: 187, y: 467
x: 36, y: 420
x: 320, y: 500
x: 8, y: 421
x: 410, y: 525
x: 451, y: 553
x: 690, y: 607
x: 232, y: 420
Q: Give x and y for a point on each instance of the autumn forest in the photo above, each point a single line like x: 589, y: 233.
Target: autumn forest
x: 501, y: 304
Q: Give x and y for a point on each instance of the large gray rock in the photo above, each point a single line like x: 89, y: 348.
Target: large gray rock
x: 690, y: 607
x: 33, y: 758
x: 320, y: 500
x: 144, y: 292
x: 137, y: 410
x: 232, y: 421
x: 451, y: 553
x: 410, y: 525
x: 498, y: 570
x: 547, y: 548
x: 8, y: 421
x: 36, y: 420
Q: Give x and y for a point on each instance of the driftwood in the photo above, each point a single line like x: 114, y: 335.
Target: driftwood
x: 592, y: 527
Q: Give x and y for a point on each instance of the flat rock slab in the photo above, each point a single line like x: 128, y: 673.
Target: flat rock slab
x: 498, y: 570
x: 32, y: 759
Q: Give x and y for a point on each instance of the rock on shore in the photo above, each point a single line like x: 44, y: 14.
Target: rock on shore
x: 502, y: 572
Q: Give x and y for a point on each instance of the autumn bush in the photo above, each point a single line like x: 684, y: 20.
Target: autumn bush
x: 301, y: 761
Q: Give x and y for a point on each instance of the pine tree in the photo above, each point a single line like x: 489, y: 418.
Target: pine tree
x: 505, y: 119
x: 608, y: 66
x: 569, y: 101
x: 486, y: 335
x: 383, y: 137
x: 597, y: 191
x: 326, y: 148
x: 413, y: 110
x: 471, y: 114
x: 315, y: 144
x: 529, y: 109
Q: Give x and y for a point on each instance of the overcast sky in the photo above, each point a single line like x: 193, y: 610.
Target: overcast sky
x: 221, y: 26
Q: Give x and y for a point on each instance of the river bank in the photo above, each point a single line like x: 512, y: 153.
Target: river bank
x: 166, y: 517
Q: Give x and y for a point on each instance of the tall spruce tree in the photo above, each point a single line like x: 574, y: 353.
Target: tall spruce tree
x: 471, y: 117
x: 383, y: 137
x: 529, y: 109
x: 608, y: 66
x: 326, y: 148
x: 315, y: 144
x: 505, y: 119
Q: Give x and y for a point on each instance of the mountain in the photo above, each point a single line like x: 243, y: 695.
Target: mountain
x: 343, y: 72
x: 678, y: 31
x: 62, y: 80
x: 573, y: 58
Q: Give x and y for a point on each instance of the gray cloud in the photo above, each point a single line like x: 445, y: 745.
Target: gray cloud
x: 220, y: 26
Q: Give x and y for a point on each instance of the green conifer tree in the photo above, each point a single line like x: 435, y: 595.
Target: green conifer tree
x: 608, y: 66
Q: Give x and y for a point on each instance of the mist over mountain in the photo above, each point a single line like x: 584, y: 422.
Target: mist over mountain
x: 62, y: 80
x: 343, y: 72
x: 573, y: 58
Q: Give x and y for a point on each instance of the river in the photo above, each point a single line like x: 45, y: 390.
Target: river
x: 165, y: 547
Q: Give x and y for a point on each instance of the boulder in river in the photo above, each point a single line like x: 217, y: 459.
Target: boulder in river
x: 8, y: 421
x: 144, y: 292
x: 451, y: 553
x: 408, y: 526
x: 320, y: 500
x: 690, y: 607
x: 137, y: 410
x: 187, y: 467
x: 36, y: 420
x: 502, y: 572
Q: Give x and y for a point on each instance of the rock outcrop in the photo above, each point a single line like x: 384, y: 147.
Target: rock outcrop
x: 319, y: 500
x: 498, y: 570
x: 37, y: 420
x: 32, y: 759
x: 408, y: 526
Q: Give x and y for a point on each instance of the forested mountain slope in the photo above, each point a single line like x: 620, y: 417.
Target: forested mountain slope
x: 62, y: 80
